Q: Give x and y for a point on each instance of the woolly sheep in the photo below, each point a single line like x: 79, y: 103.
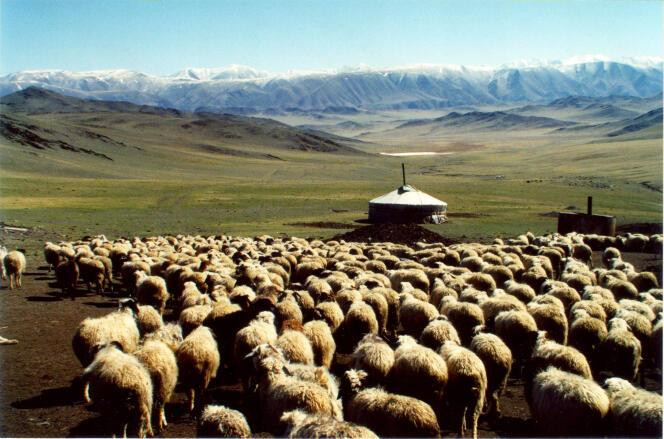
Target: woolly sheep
x: 220, y: 421
x: 375, y: 357
x: 464, y: 316
x: 466, y: 386
x: 14, y: 265
x: 586, y: 333
x: 500, y: 302
x: 388, y: 414
x: 331, y: 313
x: 620, y: 352
x: 439, y: 330
x: 497, y: 359
x: 259, y: 331
x: 551, y: 318
x: 417, y: 278
x: 301, y: 424
x: 523, y: 292
x: 118, y: 326
x: 322, y: 342
x: 417, y: 371
x: 198, y: 361
x: 92, y: 272
x: 51, y: 255
x: 359, y: 320
x: 192, y: 317
x: 633, y: 411
x: 121, y: 388
x: 415, y: 314
x: 160, y: 362
x: 565, y: 404
x: 66, y: 274
x: 295, y: 347
x: 151, y: 290
x: 279, y: 392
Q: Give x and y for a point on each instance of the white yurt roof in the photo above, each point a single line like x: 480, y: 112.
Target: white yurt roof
x: 407, y: 195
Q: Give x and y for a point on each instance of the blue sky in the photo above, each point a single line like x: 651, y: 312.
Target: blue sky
x: 164, y: 36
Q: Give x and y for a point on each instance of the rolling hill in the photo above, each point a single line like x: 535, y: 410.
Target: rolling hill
x: 47, y: 121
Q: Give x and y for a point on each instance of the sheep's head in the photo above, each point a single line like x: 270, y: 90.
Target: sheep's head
x: 353, y: 381
x: 294, y: 418
x: 614, y: 385
x: 128, y: 303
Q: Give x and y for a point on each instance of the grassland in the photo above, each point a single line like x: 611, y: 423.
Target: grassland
x: 161, y: 181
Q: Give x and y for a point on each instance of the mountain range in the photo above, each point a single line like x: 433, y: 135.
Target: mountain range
x: 242, y: 89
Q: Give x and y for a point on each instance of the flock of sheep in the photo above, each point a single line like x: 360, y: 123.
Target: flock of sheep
x: 337, y: 339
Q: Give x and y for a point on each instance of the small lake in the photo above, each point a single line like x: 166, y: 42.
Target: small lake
x: 407, y: 154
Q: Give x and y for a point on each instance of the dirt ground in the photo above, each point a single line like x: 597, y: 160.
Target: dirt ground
x: 37, y: 398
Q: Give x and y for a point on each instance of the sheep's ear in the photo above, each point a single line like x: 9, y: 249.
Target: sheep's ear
x: 117, y: 345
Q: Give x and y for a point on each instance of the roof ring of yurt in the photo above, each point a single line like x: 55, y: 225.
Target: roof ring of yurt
x: 406, y: 204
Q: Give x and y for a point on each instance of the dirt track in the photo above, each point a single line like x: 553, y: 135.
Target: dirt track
x: 37, y: 398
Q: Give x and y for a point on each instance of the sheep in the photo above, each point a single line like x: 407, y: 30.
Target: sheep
x: 586, y: 333
x: 565, y: 404
x: 523, y: 292
x: 295, y: 347
x: 66, y: 274
x: 656, y: 344
x: 51, y: 254
x: 550, y: 317
x: 151, y: 290
x: 548, y: 352
x: 198, y: 361
x: 500, y: 302
x: 259, y: 331
x: 417, y: 278
x: 279, y: 392
x: 481, y: 281
x: 610, y: 253
x: 148, y: 319
x: 466, y: 386
x: 192, y: 317
x: 160, y: 362
x: 301, y: 424
x: 593, y: 309
x: 331, y: 313
x: 118, y: 326
x: 415, y: 314
x: 583, y: 253
x: 464, y: 316
x: 417, y: 371
x: 379, y: 304
x: 220, y: 421
x: 375, y: 357
x: 438, y: 331
x: 387, y: 414
x: 633, y: 411
x: 121, y: 388
x: 620, y: 352
x: 499, y: 273
x: 14, y: 265
x: 322, y: 342
x: 91, y: 272
x: 621, y: 289
x: 360, y: 320
x: 497, y: 359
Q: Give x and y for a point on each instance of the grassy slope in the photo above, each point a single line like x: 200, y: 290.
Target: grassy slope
x: 170, y: 185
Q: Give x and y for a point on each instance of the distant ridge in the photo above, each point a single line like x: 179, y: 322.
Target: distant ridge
x: 488, y: 120
x: 421, y: 87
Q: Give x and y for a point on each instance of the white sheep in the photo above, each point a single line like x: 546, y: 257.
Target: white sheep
x: 466, y: 386
x: 151, y: 290
x: 198, y: 361
x: 160, y: 361
x: 497, y: 359
x: 301, y: 424
x: 387, y: 414
x: 119, y: 326
x: 633, y: 411
x: 121, y: 388
x: 566, y: 404
x: 14, y: 265
x: 220, y: 421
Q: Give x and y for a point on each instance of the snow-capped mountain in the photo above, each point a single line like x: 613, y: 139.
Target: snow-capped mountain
x: 424, y: 86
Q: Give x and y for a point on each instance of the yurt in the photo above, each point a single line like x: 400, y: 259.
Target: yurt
x: 407, y: 205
